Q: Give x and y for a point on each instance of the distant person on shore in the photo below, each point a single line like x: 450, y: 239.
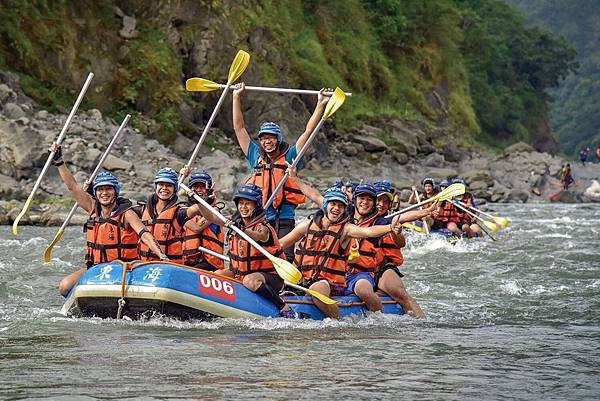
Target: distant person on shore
x: 598, y: 153
x: 566, y: 178
x: 583, y: 155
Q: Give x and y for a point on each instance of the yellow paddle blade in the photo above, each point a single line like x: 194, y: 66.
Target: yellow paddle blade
x: 15, y: 229
x: 354, y: 251
x: 337, y: 100
x: 413, y: 227
x: 240, y: 62
x: 201, y: 85
x: 501, y: 220
x: 450, y: 192
x: 286, y: 270
x: 321, y: 297
x: 491, y: 226
x: 48, y: 251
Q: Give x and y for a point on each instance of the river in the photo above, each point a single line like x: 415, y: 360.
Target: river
x: 513, y: 319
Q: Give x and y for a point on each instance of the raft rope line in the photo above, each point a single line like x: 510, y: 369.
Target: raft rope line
x: 121, y: 302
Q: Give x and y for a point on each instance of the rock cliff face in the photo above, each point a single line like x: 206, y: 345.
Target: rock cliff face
x: 368, y: 153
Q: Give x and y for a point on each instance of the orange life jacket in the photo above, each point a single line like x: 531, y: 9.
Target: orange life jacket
x: 108, y: 238
x: 423, y: 197
x: 447, y: 212
x: 370, y: 257
x: 391, y: 252
x: 166, y: 230
x: 207, y: 239
x: 268, y: 174
x: 462, y: 216
x: 245, y: 259
x: 320, y: 255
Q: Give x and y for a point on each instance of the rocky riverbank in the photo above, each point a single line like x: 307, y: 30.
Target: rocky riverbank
x: 402, y: 151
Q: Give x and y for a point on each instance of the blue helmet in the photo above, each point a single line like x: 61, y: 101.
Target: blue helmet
x: 445, y: 183
x: 332, y: 194
x: 271, y: 128
x: 364, y: 189
x: 350, y: 184
x: 167, y: 175
x: 458, y: 181
x: 384, y: 188
x: 251, y: 192
x: 106, y: 178
x: 338, y: 184
x: 428, y: 180
x: 200, y: 176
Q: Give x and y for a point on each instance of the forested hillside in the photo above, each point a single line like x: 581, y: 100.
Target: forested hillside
x: 574, y: 113
x: 467, y: 67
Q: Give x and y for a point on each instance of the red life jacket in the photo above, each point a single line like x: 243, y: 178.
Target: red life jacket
x: 166, y: 230
x: 423, y: 197
x: 462, y: 216
x: 268, y: 174
x: 447, y: 212
x: 391, y: 252
x: 245, y: 259
x: 320, y: 254
x: 207, y: 239
x: 370, y: 257
x: 109, y: 238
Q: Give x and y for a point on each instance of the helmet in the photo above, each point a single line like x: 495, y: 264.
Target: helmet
x: 458, y: 181
x: 364, y: 189
x: 350, y: 184
x: 445, y: 183
x: 200, y: 176
x: 338, y: 184
x: 167, y: 175
x: 251, y: 192
x: 384, y: 188
x: 428, y: 180
x: 106, y: 178
x: 270, y: 128
x: 332, y: 194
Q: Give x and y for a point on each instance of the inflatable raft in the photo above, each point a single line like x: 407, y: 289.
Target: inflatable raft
x: 170, y: 289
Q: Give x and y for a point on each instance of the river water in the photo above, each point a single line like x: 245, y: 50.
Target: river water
x: 512, y: 319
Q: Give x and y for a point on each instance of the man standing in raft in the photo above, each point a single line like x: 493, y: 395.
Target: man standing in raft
x: 268, y: 162
x: 113, y: 229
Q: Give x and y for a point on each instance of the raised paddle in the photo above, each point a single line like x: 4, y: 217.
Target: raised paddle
x: 287, y: 271
x: 205, y: 85
x: 323, y: 298
x: 450, y: 192
x: 425, y: 226
x: 61, y: 230
x: 336, y: 101
x: 488, y: 224
x: 498, y: 220
x: 15, y: 229
x: 238, y: 66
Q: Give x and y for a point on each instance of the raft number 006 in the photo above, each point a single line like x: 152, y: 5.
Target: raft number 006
x: 216, y: 287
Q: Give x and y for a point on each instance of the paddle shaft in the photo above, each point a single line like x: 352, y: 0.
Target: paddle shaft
x: 487, y: 232
x: 297, y: 159
x: 425, y: 226
x: 206, y: 128
x: 412, y: 207
x: 239, y: 231
x: 213, y: 253
x: 63, y: 131
x: 477, y: 210
x: 285, y: 90
x: 469, y: 212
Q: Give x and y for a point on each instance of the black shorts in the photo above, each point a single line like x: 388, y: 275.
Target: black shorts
x: 383, y: 269
x: 284, y: 227
x: 204, y: 265
x: 438, y: 225
x: 273, y: 280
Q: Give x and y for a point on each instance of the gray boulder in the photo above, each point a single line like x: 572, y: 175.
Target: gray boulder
x: 518, y: 195
x: 370, y: 144
x: 477, y: 175
x: 518, y: 147
x: 13, y: 111
x: 434, y: 160
x: 440, y: 174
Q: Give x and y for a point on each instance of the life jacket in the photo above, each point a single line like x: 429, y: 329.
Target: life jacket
x: 320, y: 254
x: 269, y: 173
x: 207, y: 238
x: 165, y: 228
x: 447, y: 212
x: 462, y: 216
x: 391, y: 252
x: 108, y: 238
x: 244, y: 258
x: 370, y: 257
x: 423, y: 197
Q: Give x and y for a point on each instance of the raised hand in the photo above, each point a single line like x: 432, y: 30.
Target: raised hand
x: 239, y: 89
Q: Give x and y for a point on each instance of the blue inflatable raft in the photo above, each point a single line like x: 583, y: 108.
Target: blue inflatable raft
x: 185, y: 293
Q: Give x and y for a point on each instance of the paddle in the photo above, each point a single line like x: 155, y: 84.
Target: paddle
x: 238, y: 66
x: 413, y: 227
x: 498, y: 220
x: 450, y: 192
x: 15, y: 229
x: 336, y: 101
x: 287, y: 271
x: 323, y: 298
x: 204, y: 85
x: 61, y: 230
x: 488, y: 224
x: 425, y: 226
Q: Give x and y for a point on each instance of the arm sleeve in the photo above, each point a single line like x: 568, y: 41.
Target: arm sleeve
x: 181, y: 216
x: 291, y: 155
x: 253, y: 154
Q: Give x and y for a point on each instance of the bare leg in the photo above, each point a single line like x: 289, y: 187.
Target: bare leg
x: 391, y: 284
x: 454, y: 229
x: 476, y: 230
x: 364, y: 290
x: 323, y: 287
x: 224, y: 272
x: 467, y: 230
x: 68, y: 282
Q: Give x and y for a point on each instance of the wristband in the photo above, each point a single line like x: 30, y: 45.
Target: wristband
x: 142, y: 232
x: 59, y: 163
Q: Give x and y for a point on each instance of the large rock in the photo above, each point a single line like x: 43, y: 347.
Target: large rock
x: 518, y: 147
x: 9, y: 188
x: 565, y: 197
x: 114, y: 163
x: 434, y: 160
x: 7, y: 94
x: 13, y: 111
x: 370, y: 144
x: 477, y: 175
x: 593, y: 191
x: 21, y: 150
x: 440, y: 174
x: 183, y: 146
x: 518, y: 195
